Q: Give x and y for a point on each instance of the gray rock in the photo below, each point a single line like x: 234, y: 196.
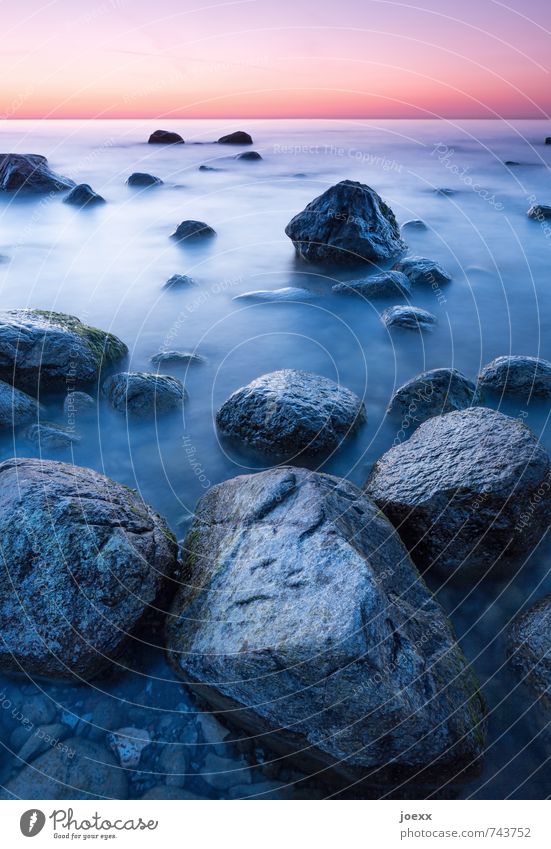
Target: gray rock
x: 516, y: 375
x: 192, y: 231
x: 432, y: 393
x: 139, y: 178
x: 173, y: 765
x: 529, y: 649
x: 79, y: 404
x: 16, y: 407
x: 144, y: 393
x: 411, y: 318
x: 41, y: 739
x: 539, y: 211
x: 52, y: 435
x: 423, y: 272
x: 249, y: 156
x: 181, y: 357
x: 80, y: 769
x: 128, y: 745
x: 347, y: 224
x: 161, y: 791
x: 165, y: 137
x: 388, y: 284
x: 458, y: 488
x: 305, y: 619
x: 83, y: 559
x: 286, y: 293
x: 179, y: 281
x: 29, y: 172
x: 38, y: 346
x: 39, y: 710
x: 83, y: 195
x: 414, y: 224
x: 238, y: 137
x: 288, y: 412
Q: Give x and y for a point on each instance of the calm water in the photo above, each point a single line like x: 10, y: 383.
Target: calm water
x: 108, y: 266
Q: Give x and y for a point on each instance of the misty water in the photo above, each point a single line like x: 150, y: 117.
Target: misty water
x: 108, y: 265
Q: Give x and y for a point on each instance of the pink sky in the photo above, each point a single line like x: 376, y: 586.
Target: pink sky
x: 275, y: 58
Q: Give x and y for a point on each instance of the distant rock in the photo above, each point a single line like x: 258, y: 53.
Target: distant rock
x: 457, y: 491
x: 286, y: 293
x: 540, y: 211
x: 144, y: 393
x: 388, y: 284
x: 414, y: 224
x: 183, y: 357
x: 445, y: 192
x: 410, y: 318
x: 165, y: 137
x: 548, y: 140
x: 16, y: 407
x: 142, y: 180
x: 42, y: 347
x: 529, y: 649
x: 52, y: 435
x: 510, y: 163
x: 236, y: 138
x: 84, y: 559
x: 432, y: 393
x: 83, y: 195
x: 209, y: 168
x: 192, y: 231
x: 288, y: 412
x: 30, y: 173
x: 516, y: 375
x: 178, y: 281
x: 249, y: 155
x: 422, y: 271
x: 79, y: 404
x: 346, y: 225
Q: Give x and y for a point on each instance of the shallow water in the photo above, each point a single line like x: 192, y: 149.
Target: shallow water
x: 108, y: 265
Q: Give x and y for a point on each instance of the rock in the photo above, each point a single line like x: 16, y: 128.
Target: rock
x: 107, y: 715
x: 422, y: 271
x: 209, y: 168
x: 80, y: 769
x: 161, y: 791
x: 445, y: 192
x: 38, y: 346
x: 548, y: 140
x: 529, y: 649
x: 41, y: 739
x: 84, y: 558
x: 288, y: 412
x: 511, y: 164
x: 83, y: 195
x: 286, y: 293
x: 79, y: 404
x: 173, y: 765
x: 193, y: 230
x: 345, y: 225
x: 249, y: 156
x: 414, y: 224
x: 138, y: 178
x: 29, y: 172
x: 539, y: 211
x: 223, y: 773
x: 236, y: 138
x: 52, y: 435
x: 517, y: 375
x: 181, y: 357
x: 128, y: 745
x: 39, y: 710
x: 299, y: 584
x: 165, y: 137
x: 410, y: 318
x: 432, y: 393
x: 179, y: 281
x: 16, y: 407
x: 144, y: 393
x: 388, y: 284
x: 458, y: 488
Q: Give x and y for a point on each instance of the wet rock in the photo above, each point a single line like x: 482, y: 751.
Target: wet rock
x: 432, y: 393
x: 209, y: 168
x: 84, y: 558
x: 173, y: 765
x: 414, y: 224
x: 51, y: 435
x: 177, y: 357
x: 165, y: 137
x: 539, y: 211
x: 286, y: 293
x: 83, y: 195
x: 179, y: 281
x: 423, y: 272
x: 458, y: 488
x: 161, y: 791
x: 128, y: 745
x: 80, y: 769
x: 298, y: 580
x: 30, y: 173
x: 142, y: 180
x: 236, y: 138
x: 516, y: 375
x: 347, y: 224
x: 289, y: 411
x: 529, y: 649
x: 107, y: 715
x: 79, y: 404
x: 410, y: 318
x: 223, y: 773
x: 144, y: 393
x: 41, y: 739
x: 388, y: 284
x: 445, y: 192
x: 192, y: 231
x: 39, y: 710
x: 47, y: 348
x: 249, y: 156
x: 16, y: 407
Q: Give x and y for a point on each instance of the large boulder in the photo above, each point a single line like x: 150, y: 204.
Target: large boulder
x: 529, y: 649
x: 422, y: 271
x: 457, y: 491
x: 387, y: 284
x: 192, y: 231
x: 410, y: 318
x: 288, y: 412
x: 144, y: 393
x: 516, y: 375
x: 165, y: 137
x: 304, y: 619
x: 83, y: 195
x: 83, y: 559
x: 16, y: 407
x: 29, y: 172
x: 238, y: 137
x: 347, y: 224
x: 440, y: 390
x: 38, y: 347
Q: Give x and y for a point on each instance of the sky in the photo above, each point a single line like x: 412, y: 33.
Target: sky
x: 275, y: 58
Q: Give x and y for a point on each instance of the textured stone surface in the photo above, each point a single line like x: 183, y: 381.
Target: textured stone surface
x: 179, y: 281
x: 141, y: 179
x: 290, y: 411
x: 16, y: 407
x: 414, y: 224
x: 303, y: 607
x: 48, y: 348
x: 347, y: 224
x: 193, y: 230
x: 249, y: 156
x: 458, y: 488
x: 422, y: 271
x: 83, y: 195
x: 539, y: 211
x: 529, y: 649
x: 440, y: 390
x: 165, y: 137
x: 183, y: 357
x: 515, y: 375
x: 51, y: 435
x: 286, y: 293
x: 411, y: 318
x: 83, y: 557
x: 238, y: 137
x: 388, y: 284
x: 144, y: 393
x: 29, y: 172
x: 79, y: 404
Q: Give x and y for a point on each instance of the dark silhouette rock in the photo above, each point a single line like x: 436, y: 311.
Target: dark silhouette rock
x: 249, y: 156
x: 548, y: 140
x: 409, y: 318
x: 144, y: 393
x: 388, y: 284
x: 192, y: 231
x: 165, y: 137
x: 83, y: 195
x: 432, y: 393
x: 515, y: 375
x: 143, y: 180
x: 179, y: 281
x: 30, y: 173
x: 414, y: 224
x: 236, y: 138
x: 539, y: 212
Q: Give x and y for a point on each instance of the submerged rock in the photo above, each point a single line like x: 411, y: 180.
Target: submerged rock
x: 84, y: 558
x: 184, y: 357
x: 440, y: 390
x: 29, y: 172
x: 458, y: 488
x: 192, y: 230
x: 388, y: 284
x: 83, y: 195
x: 238, y: 137
x: 414, y: 224
x: 16, y: 407
x: 249, y: 155
x: 165, y: 137
x: 179, y: 281
x: 529, y: 649
x: 305, y: 618
x: 144, y: 393
x: 539, y: 211
x: 138, y: 178
x: 288, y: 412
x: 422, y: 271
x: 517, y: 375
x: 79, y: 404
x: 51, y: 435
x: 347, y: 224
x: 48, y: 348
x: 286, y: 293
x: 209, y: 168
x: 411, y: 318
